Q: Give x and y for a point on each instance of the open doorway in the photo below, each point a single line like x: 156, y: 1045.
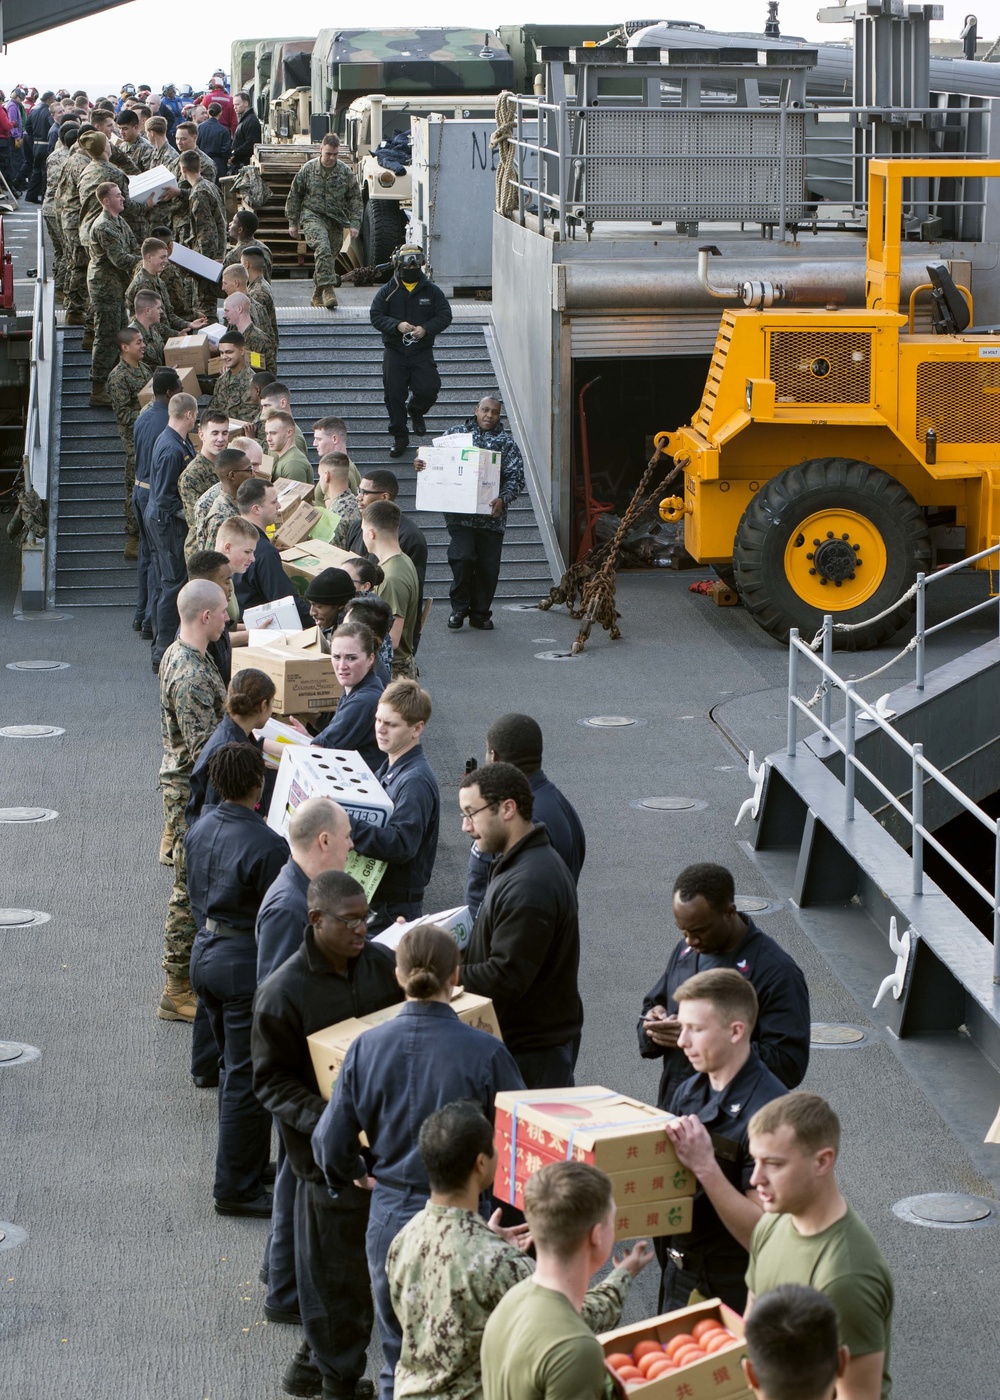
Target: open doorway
x: 627, y: 403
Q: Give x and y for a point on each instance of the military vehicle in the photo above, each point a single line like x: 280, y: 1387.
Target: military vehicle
x: 522, y: 42
x: 291, y: 90
x: 368, y: 84
x: 242, y: 64
x: 264, y: 67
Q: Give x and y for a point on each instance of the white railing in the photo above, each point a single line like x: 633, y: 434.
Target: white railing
x: 37, y: 436
x: 921, y: 769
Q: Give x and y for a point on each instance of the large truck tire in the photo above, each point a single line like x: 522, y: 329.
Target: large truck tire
x: 381, y: 230
x: 836, y: 536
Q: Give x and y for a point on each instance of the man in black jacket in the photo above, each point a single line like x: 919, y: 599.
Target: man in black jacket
x: 381, y: 484
x: 215, y: 140
x: 524, y: 949
x: 247, y: 135
x: 717, y: 935
x: 36, y: 140
x: 265, y: 581
x: 336, y: 974
x: 410, y: 312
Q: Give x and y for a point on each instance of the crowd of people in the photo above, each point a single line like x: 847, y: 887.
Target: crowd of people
x: 380, y: 1201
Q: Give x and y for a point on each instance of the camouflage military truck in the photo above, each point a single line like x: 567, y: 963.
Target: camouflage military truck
x: 367, y: 84
x: 522, y: 42
x: 291, y: 91
x: 263, y: 69
x: 242, y: 55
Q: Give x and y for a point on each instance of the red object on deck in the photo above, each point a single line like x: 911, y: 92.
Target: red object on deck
x: 6, y: 276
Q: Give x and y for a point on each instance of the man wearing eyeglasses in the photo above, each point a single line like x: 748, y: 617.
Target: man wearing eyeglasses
x: 381, y: 484
x: 524, y: 949
x: 336, y: 974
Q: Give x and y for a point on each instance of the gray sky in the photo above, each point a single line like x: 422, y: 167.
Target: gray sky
x: 147, y: 42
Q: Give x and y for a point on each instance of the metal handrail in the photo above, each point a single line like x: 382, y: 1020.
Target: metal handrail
x: 924, y: 581
x: 920, y: 767
x: 36, y: 443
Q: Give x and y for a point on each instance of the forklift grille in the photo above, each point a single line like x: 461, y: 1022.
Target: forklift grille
x: 820, y: 366
x: 959, y: 399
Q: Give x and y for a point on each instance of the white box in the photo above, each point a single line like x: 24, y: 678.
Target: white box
x: 197, y: 263
x: 463, y: 480
x: 151, y: 182
x: 280, y: 616
x: 310, y: 772
x: 215, y: 332
x: 452, y: 440
x: 454, y: 921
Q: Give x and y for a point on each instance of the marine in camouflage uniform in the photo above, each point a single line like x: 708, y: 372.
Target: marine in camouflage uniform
x: 123, y: 385
x: 180, y: 288
x: 447, y: 1272
x: 207, y: 164
x: 196, y: 478
x: 50, y: 212
x: 192, y: 705
x: 346, y: 506
x: 235, y: 254
x: 153, y: 342
x: 138, y: 151
x: 322, y: 202
x: 204, y: 230
x: 232, y: 395
x: 202, y: 510
x: 223, y: 507
x: 262, y: 351
x: 260, y: 295
x: 113, y: 251
x: 67, y: 206
x: 96, y: 173
x: 144, y: 281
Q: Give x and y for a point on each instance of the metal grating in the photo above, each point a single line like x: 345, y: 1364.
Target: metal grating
x: 692, y: 165
x: 820, y: 367
x: 959, y: 399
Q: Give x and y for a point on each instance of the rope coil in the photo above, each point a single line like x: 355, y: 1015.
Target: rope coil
x: 502, y: 140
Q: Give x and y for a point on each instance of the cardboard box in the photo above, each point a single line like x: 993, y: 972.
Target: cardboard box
x: 266, y: 467
x: 300, y: 669
x: 634, y: 1220
x: 643, y: 1186
x: 154, y: 182
x: 197, y: 263
x: 588, y: 1124
x: 215, y: 365
x: 298, y: 525
x: 189, y: 385
x: 306, y: 771
x: 181, y: 350
x: 460, y: 479
x: 304, y: 562
x: 329, y: 1047
x: 215, y: 332
x: 281, y: 615
x: 718, y: 1377
x: 291, y: 494
x: 455, y: 921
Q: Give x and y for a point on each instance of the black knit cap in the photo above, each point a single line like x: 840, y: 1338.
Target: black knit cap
x: 331, y: 586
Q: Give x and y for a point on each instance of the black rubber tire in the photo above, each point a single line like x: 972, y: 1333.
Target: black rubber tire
x: 775, y: 513
x: 381, y: 230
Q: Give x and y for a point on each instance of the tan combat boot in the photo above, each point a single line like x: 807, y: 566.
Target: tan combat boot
x: 317, y: 297
x: 99, y: 394
x: 87, y: 343
x: 131, y: 550
x: 166, y: 848
x: 329, y: 299
x: 75, y: 318
x: 178, y: 1001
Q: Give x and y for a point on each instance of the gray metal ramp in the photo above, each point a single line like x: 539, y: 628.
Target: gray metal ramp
x: 332, y: 366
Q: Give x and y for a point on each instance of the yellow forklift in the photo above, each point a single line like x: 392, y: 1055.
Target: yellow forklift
x: 826, y: 437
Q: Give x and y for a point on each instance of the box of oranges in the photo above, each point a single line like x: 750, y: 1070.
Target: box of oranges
x: 693, y: 1354
x: 589, y: 1124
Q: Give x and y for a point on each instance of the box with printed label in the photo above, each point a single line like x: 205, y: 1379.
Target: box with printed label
x: 181, y: 350
x: 633, y: 1219
x: 291, y: 494
x: 304, y: 562
x: 306, y: 771
x: 458, y: 922
x: 329, y: 1047
x: 189, y: 385
x: 588, y: 1124
x: 712, y: 1371
x: 463, y: 480
x: 298, y: 525
x: 640, y: 1187
x: 300, y: 669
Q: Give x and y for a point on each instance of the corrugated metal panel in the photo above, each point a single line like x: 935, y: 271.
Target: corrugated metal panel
x: 644, y: 337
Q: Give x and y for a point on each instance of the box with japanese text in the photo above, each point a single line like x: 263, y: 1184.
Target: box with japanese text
x: 300, y: 669
x: 704, y: 1348
x: 669, y: 1182
x: 329, y: 1047
x: 181, y: 350
x: 304, y: 562
x: 588, y: 1124
x: 306, y: 771
x: 462, y: 480
x: 189, y: 385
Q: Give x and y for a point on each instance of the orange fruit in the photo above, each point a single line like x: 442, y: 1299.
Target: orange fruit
x: 663, y: 1367
x: 717, y: 1341
x: 707, y: 1324
x: 618, y: 1359
x: 648, y: 1359
x: 686, y: 1355
x: 629, y: 1373
x: 715, y: 1331
x: 647, y: 1348
x: 683, y: 1339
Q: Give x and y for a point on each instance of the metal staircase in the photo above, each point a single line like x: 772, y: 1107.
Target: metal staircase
x: 332, y: 366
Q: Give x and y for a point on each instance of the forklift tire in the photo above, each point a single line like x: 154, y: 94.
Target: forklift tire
x: 380, y: 230
x: 831, y: 536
